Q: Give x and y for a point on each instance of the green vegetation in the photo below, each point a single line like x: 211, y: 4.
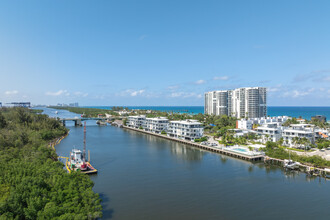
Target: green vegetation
x: 118, y: 108
x: 321, y: 143
x: 163, y: 132
x: 319, y: 123
x: 299, y: 150
x: 290, y: 121
x: 33, y: 184
x: 272, y: 149
x: 37, y: 111
x: 201, y: 139
x: 87, y: 112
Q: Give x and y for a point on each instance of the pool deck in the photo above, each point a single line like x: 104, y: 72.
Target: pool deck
x: 219, y: 150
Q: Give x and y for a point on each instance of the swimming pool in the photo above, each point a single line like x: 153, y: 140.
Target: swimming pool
x: 243, y: 150
x: 240, y: 150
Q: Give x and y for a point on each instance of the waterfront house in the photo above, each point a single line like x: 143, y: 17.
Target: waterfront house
x: 249, y: 123
x: 136, y: 121
x: 186, y: 129
x: 156, y: 125
x: 300, y: 131
x: 269, y: 131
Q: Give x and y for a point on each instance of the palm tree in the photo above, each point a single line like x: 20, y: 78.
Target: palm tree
x: 267, y: 137
x: 304, y: 141
x: 295, y: 141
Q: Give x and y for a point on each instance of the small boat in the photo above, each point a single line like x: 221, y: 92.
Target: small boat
x: 77, y: 160
x: 290, y: 164
x: 100, y: 122
x: 327, y: 172
x: 56, y: 112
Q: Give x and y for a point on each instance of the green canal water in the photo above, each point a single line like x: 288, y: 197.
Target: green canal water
x: 144, y: 177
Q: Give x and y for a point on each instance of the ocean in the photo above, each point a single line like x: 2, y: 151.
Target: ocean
x: 293, y: 111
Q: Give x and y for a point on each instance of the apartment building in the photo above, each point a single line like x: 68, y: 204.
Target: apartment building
x: 249, y: 123
x: 269, y: 132
x: 247, y: 102
x: 186, y: 129
x: 136, y: 121
x: 300, y: 131
x: 156, y: 125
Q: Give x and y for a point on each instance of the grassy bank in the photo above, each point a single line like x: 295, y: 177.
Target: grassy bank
x: 87, y: 112
x: 274, y: 150
x: 33, y: 184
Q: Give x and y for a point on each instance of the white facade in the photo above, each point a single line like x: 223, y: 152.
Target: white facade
x: 156, y: 125
x: 248, y: 123
x: 300, y: 131
x: 242, y: 102
x: 187, y: 129
x: 269, y: 132
x: 136, y: 121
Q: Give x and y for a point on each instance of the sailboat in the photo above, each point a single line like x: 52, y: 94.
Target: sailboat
x: 77, y: 160
x: 290, y: 164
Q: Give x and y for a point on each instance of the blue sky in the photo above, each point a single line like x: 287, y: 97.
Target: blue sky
x: 163, y: 52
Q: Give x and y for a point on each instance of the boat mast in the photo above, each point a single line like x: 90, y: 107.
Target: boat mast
x: 84, y: 152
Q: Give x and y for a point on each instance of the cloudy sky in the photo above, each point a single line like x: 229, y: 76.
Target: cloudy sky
x: 163, y: 52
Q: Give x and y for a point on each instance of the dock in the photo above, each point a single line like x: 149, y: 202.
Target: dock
x: 219, y: 150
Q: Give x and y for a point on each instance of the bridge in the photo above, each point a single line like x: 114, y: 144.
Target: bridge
x: 78, y: 121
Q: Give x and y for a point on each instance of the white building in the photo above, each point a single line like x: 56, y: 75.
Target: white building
x: 322, y: 134
x: 242, y: 102
x: 136, y: 121
x: 300, y: 131
x: 156, y: 125
x: 248, y: 123
x: 187, y: 129
x: 270, y: 132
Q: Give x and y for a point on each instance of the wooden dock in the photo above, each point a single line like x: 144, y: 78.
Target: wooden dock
x: 219, y: 150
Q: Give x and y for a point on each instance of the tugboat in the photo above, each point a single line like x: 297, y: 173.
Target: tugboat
x: 77, y: 160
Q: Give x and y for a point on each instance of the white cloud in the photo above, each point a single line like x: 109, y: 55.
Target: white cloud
x: 199, y: 82
x: 296, y: 93
x: 173, y: 87
x: 58, y: 93
x: 80, y: 94
x: 185, y: 95
x: 176, y: 94
x: 223, y: 78
x: 13, y: 92
x: 131, y: 92
x: 138, y: 92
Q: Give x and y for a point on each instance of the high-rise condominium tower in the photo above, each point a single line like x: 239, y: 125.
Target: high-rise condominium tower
x: 242, y: 102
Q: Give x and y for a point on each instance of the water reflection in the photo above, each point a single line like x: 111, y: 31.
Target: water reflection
x: 185, y: 152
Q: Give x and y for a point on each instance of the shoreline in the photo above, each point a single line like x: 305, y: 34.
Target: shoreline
x: 204, y: 147
x: 266, y: 159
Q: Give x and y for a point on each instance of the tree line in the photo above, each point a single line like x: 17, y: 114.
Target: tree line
x: 33, y: 183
